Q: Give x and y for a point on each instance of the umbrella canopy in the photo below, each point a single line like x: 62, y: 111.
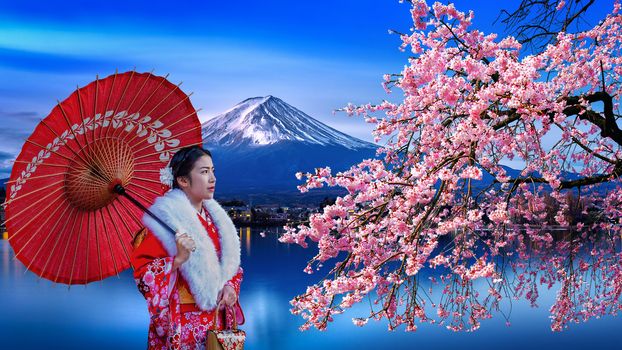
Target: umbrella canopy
x: 65, y: 221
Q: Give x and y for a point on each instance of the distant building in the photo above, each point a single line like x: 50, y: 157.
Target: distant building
x: 277, y: 217
x: 268, y: 214
x: 240, y: 214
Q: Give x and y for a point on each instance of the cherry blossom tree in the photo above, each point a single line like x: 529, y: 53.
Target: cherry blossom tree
x: 436, y: 229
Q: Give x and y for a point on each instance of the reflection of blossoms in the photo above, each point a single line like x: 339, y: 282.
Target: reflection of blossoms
x: 480, y: 269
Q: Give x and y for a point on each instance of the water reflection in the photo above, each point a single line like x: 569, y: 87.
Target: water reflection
x: 248, y: 241
x: 40, y: 314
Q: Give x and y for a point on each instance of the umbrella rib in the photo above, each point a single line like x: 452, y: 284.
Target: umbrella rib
x: 47, y: 261
x: 189, y: 115
x: 34, y: 258
x: 151, y: 162
x: 146, y: 189
x: 170, y: 149
x: 127, y: 227
x: 75, y: 218
x: 187, y: 97
x: 149, y: 98
x: 95, y: 108
x: 116, y: 228
x: 35, y: 191
x: 86, y: 249
x: 58, y: 136
x: 22, y: 227
x: 157, y: 105
x: 88, y: 144
x: 37, y: 231
x: 44, y: 148
x: 30, y: 205
x: 97, y: 179
x: 114, y: 79
x: 58, y: 154
x: 71, y: 129
x: 140, y: 89
x: 116, y: 108
x: 130, y: 212
x: 123, y: 160
x: 48, y: 164
x: 106, y: 153
x: 146, y: 171
x: 129, y: 161
x: 38, y: 177
x: 99, y: 258
x: 97, y: 159
x: 153, y: 92
x: 165, y: 97
x: 96, y: 154
x: 146, y: 180
x: 114, y: 262
x: 140, y: 195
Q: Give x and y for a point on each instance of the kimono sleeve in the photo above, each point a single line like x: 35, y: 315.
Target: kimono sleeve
x: 236, y: 280
x: 153, y: 271
x: 156, y: 279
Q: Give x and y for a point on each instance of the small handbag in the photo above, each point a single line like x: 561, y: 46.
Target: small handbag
x: 228, y: 339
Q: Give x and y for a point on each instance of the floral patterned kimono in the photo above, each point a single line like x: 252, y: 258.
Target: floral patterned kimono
x: 182, y: 303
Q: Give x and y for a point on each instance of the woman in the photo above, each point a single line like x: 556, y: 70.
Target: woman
x: 184, y: 277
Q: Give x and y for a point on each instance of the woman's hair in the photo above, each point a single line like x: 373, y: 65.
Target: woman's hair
x: 183, y: 161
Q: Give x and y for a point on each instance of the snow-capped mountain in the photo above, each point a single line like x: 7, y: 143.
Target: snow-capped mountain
x: 258, y: 146
x: 260, y: 121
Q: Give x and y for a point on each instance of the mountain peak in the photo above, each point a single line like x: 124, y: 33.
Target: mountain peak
x: 266, y: 120
x: 258, y: 99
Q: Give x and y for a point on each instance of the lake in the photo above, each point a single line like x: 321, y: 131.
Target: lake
x: 36, y: 313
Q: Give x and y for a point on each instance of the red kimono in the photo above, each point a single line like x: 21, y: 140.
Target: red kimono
x: 176, y: 321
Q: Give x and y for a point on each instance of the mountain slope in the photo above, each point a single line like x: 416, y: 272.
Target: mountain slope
x: 262, y: 121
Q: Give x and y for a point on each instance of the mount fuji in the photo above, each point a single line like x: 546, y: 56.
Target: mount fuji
x: 263, y: 121
x: 258, y: 146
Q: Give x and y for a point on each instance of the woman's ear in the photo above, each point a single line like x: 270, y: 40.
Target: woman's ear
x: 183, y: 181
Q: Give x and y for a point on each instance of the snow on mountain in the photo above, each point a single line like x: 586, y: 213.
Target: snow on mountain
x: 261, y: 121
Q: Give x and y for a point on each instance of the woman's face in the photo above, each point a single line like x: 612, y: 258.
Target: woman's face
x: 203, y: 181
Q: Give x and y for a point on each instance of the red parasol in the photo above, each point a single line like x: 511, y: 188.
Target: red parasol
x: 66, y: 218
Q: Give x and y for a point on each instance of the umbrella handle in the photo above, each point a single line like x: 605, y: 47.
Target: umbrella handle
x: 118, y: 188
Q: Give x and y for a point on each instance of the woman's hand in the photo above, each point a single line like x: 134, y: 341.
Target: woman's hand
x: 185, y: 245
x: 227, y: 294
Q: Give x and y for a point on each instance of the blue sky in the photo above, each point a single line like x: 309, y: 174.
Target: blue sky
x: 315, y: 55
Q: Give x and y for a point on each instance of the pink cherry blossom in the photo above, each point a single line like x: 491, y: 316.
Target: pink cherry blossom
x: 472, y: 101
